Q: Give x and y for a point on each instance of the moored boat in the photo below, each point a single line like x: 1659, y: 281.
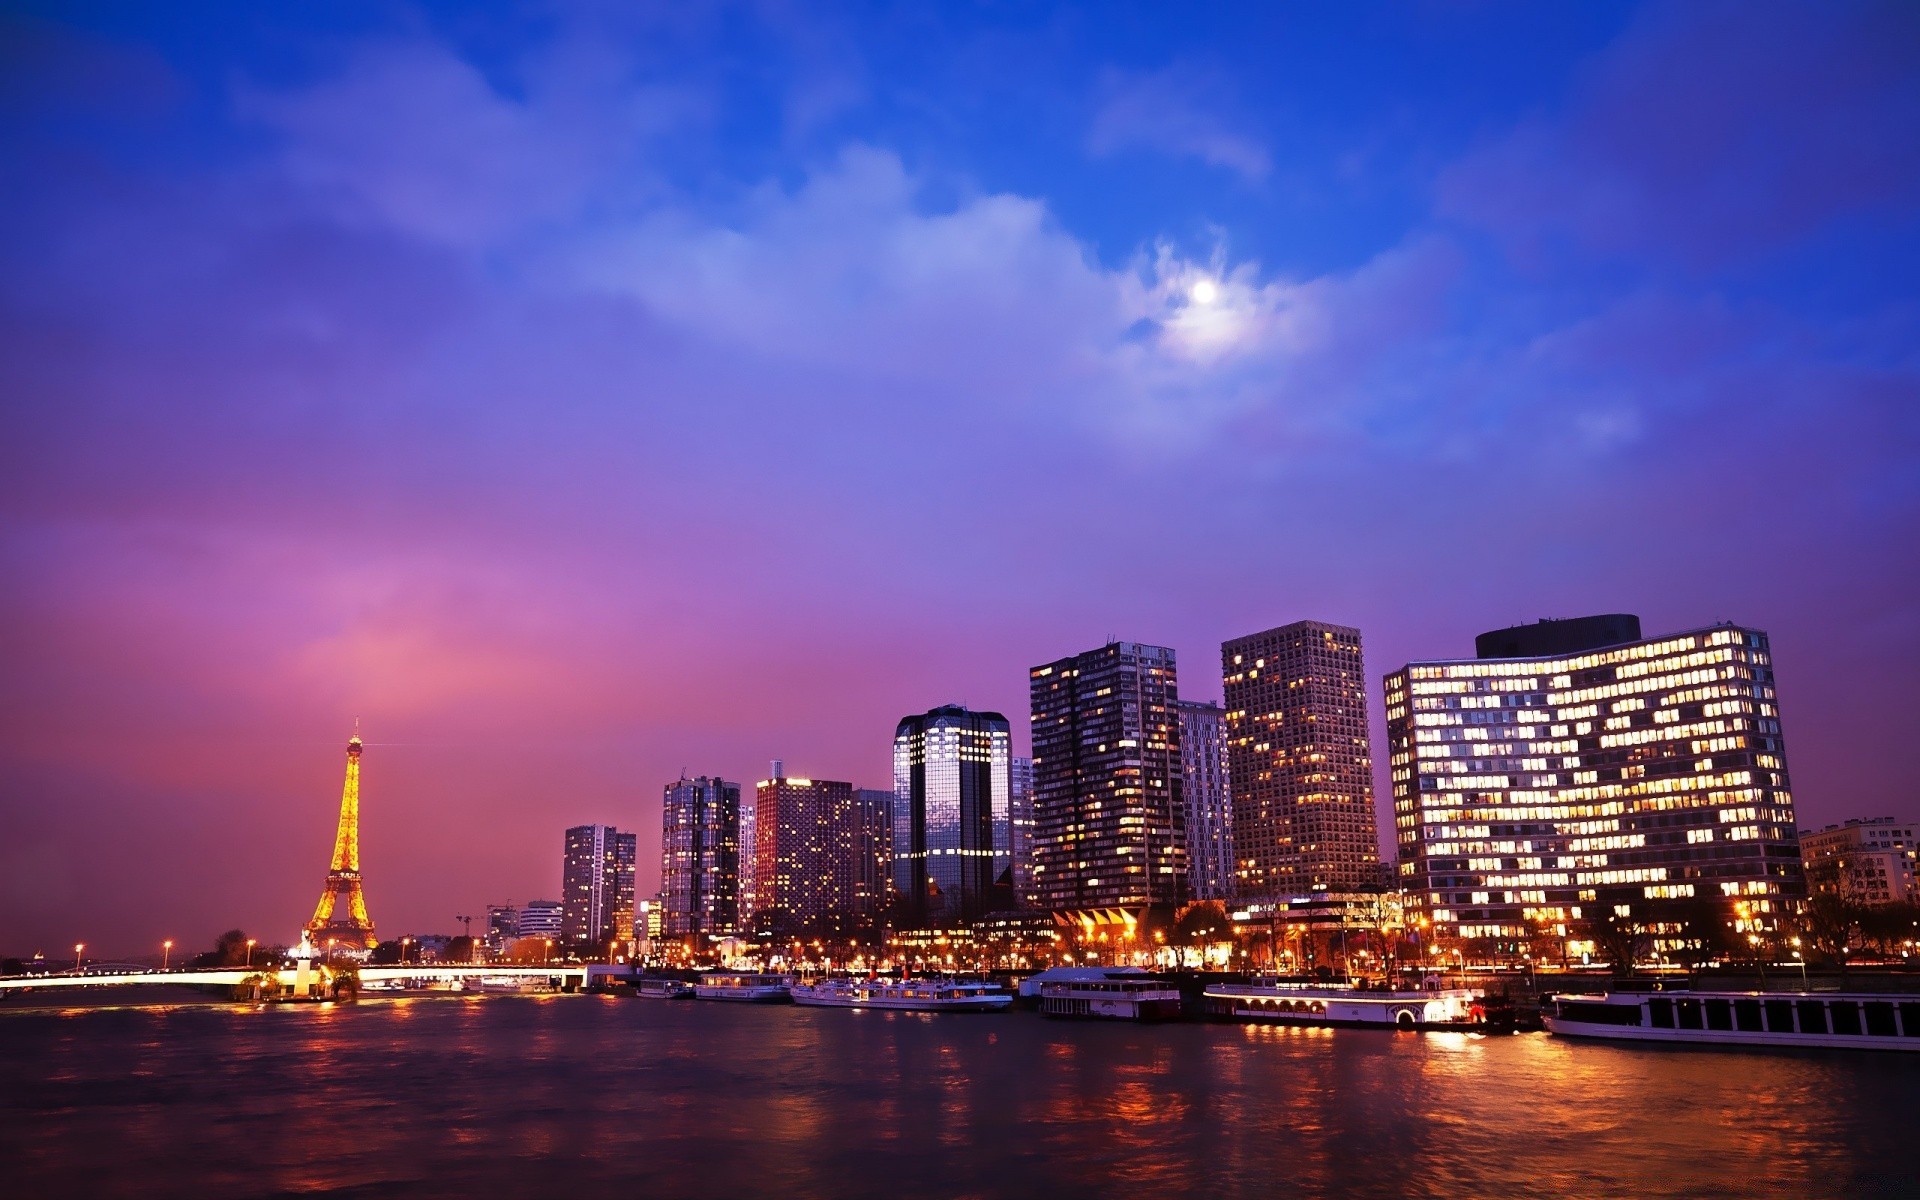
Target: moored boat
x: 910, y: 995
x: 1826, y: 1020
x: 652, y: 988
x: 1346, y: 1007
x: 742, y: 987
x: 1106, y: 994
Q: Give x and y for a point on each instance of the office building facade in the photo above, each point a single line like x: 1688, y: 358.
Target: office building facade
x: 597, y: 882
x: 1109, y: 814
x: 950, y: 780
x: 1203, y: 777
x: 700, y: 858
x: 1300, y: 761
x: 1866, y: 862
x: 1020, y: 829
x: 541, y: 919
x: 873, y: 891
x: 804, y: 869
x: 1529, y: 790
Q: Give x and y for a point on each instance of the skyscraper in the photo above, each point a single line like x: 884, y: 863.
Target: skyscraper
x: 596, y: 880
x: 804, y: 860
x: 872, y: 857
x: 1109, y: 816
x: 1584, y: 769
x: 1203, y: 775
x: 1020, y: 828
x: 1299, y: 763
x: 950, y: 777
x: 700, y: 857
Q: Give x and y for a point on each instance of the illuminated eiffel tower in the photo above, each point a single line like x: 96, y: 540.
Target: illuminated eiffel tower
x: 351, y: 926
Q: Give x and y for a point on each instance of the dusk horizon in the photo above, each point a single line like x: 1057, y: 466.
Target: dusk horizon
x: 578, y: 398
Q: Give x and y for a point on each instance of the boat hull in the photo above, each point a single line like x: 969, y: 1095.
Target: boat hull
x: 1102, y: 1009
x: 1417, y: 1012
x: 1763, y: 1020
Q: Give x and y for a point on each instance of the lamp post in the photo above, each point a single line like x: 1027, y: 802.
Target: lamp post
x: 404, y: 943
x: 250, y: 945
x: 77, y: 948
x: 166, y: 953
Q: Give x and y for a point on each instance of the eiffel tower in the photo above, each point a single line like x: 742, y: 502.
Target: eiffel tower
x: 355, y: 927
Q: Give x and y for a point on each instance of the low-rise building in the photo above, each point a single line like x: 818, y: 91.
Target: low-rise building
x: 1866, y: 861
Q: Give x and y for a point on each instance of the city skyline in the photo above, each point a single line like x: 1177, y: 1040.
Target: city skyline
x: 579, y: 406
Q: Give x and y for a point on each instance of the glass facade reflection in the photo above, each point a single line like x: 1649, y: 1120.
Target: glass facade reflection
x: 1203, y: 773
x: 950, y: 778
x: 1020, y: 828
x: 1525, y: 789
x: 596, y: 879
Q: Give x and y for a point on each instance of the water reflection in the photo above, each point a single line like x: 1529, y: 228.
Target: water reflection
x: 512, y: 1095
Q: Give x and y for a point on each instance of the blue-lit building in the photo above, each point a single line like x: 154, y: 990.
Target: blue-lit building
x: 950, y: 779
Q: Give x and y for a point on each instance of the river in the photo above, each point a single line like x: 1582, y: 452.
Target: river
x: 593, y: 1095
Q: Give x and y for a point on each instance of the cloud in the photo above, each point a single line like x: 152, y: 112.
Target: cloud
x: 1178, y: 112
x: 1710, y: 133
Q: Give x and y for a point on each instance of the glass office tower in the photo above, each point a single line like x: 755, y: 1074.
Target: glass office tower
x: 1528, y: 789
x: 950, y: 777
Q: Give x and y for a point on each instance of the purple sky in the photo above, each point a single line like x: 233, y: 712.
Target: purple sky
x: 578, y: 397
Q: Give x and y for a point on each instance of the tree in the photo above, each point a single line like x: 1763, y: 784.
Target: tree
x: 1886, y: 928
x: 229, y: 950
x: 1706, y: 934
x: 1614, y: 924
x: 1831, y: 923
x: 1201, y: 924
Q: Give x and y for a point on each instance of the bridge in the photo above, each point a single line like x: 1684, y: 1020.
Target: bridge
x: 299, y: 982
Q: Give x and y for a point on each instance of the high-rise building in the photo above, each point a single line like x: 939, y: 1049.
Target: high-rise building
x: 503, y: 922
x: 1109, y: 815
x: 1020, y: 828
x: 1867, y: 862
x: 749, y: 901
x: 540, y: 918
x: 804, y: 859
x: 950, y: 778
x: 873, y: 811
x: 1298, y: 761
x: 1527, y: 789
x: 596, y: 882
x: 700, y: 857
x: 1203, y: 776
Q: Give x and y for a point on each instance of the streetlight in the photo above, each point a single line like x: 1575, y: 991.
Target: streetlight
x: 166, y: 953
x: 250, y: 945
x: 403, y: 949
x: 77, y: 948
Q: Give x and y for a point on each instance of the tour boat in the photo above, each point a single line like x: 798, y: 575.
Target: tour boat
x: 742, y: 987
x: 1335, y: 1006
x: 662, y: 989
x: 1110, y: 994
x: 1830, y: 1020
x: 912, y: 995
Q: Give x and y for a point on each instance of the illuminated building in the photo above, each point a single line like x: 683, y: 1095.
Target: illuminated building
x: 596, y: 884
x: 1867, y: 862
x: 1528, y: 789
x: 1299, y: 761
x: 700, y: 857
x: 341, y: 916
x: 503, y: 924
x: 1203, y: 776
x: 950, y: 777
x: 1020, y: 829
x: 803, y: 868
x: 540, y: 918
x: 1109, y: 819
x: 873, y: 815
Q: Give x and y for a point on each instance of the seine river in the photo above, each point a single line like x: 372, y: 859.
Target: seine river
x: 601, y: 1096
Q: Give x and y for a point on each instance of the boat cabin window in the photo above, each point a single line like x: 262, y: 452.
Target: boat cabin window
x: 1780, y: 1016
x: 1910, y: 1018
x: 1845, y: 1014
x: 1594, y: 1012
x: 1688, y: 1012
x: 1660, y: 1012
x: 1813, y: 1016
x: 1719, y: 1014
x: 1746, y: 1016
x: 1879, y: 1015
